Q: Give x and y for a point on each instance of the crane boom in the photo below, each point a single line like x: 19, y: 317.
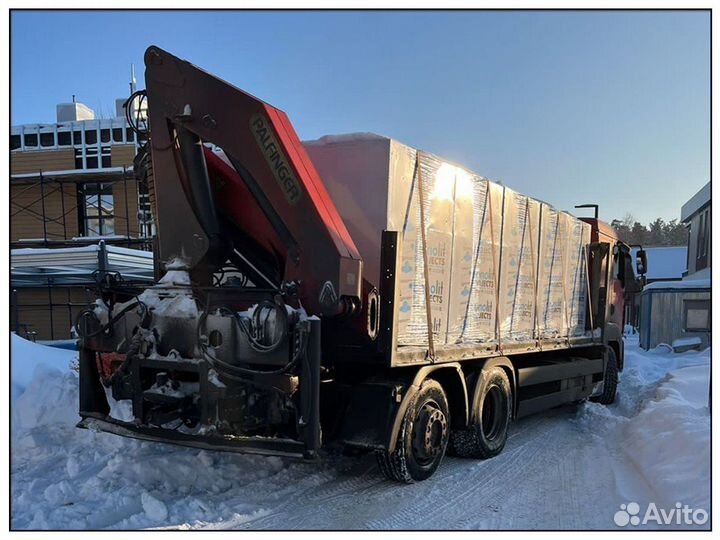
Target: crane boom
x: 267, y: 188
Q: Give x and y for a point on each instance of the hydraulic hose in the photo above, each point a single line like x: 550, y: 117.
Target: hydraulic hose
x: 255, y: 344
x: 111, y: 322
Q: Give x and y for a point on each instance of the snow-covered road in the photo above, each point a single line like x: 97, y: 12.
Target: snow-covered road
x: 569, y: 468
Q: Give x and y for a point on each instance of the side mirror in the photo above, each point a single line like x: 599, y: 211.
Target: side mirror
x: 641, y: 262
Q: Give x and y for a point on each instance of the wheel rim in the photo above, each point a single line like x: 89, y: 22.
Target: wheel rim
x: 430, y: 431
x: 494, y: 411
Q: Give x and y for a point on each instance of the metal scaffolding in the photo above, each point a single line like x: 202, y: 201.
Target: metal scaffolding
x: 63, y: 260
x: 58, y: 182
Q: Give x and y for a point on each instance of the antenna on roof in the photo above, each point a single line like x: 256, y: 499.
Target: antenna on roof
x: 132, y: 79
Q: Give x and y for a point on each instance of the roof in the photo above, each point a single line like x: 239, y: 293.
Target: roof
x: 696, y: 202
x: 107, y: 173
x: 31, y: 267
x: 664, y: 262
x: 688, y: 284
x: 345, y: 138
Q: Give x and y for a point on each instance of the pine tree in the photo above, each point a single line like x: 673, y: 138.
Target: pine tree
x: 655, y: 233
x: 658, y: 233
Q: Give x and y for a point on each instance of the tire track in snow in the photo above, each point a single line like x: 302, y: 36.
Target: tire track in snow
x: 377, y: 493
x: 489, y: 478
x: 327, y: 490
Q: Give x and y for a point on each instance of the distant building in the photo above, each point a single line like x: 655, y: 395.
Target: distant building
x: 680, y: 312
x: 664, y: 263
x: 696, y: 214
x: 675, y: 310
x: 71, y: 185
x: 73, y: 180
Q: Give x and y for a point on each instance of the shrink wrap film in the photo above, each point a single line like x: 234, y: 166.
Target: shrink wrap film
x: 502, y: 268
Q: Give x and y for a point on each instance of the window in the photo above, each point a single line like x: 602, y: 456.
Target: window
x: 91, y: 136
x: 97, y: 211
x: 703, y: 239
x: 130, y: 134
x: 14, y: 142
x: 91, y: 158
x: 63, y: 138
x: 105, y: 156
x: 47, y: 139
x: 77, y: 137
x: 696, y: 315
x: 104, y: 135
x: 31, y: 139
x: 117, y: 134
x: 94, y: 158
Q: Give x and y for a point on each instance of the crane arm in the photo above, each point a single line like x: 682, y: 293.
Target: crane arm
x: 266, y: 189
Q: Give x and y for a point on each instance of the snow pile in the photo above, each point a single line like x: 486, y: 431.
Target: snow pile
x: 675, y: 423
x: 28, y: 356
x: 661, y: 422
x: 686, y: 343
x: 44, y: 385
x: 652, y: 445
x: 50, y: 398
x: 629, y: 330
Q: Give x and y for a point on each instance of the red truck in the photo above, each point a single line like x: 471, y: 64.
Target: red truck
x: 349, y: 290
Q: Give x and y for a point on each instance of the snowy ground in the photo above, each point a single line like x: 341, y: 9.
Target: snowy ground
x: 569, y: 468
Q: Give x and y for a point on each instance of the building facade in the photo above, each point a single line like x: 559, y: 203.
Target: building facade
x: 696, y: 214
x: 72, y: 184
x: 679, y: 313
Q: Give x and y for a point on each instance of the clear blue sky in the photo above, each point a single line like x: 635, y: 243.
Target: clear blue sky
x: 569, y: 107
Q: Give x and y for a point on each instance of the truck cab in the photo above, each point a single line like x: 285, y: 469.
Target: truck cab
x: 612, y: 271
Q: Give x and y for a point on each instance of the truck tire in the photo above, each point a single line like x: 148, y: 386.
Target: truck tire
x: 423, y: 437
x: 610, y: 380
x: 487, y: 435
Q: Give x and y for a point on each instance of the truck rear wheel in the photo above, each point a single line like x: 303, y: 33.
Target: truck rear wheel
x: 423, y: 437
x: 610, y: 380
x: 487, y: 435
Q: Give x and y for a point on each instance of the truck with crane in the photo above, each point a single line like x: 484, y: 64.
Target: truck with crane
x: 349, y: 290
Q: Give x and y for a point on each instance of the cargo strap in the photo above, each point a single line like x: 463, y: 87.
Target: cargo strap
x: 587, y: 284
x: 476, y: 261
x: 563, y: 276
x: 496, y: 267
x: 533, y: 265
x: 426, y: 271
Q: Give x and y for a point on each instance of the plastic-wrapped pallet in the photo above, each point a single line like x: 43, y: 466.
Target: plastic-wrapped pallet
x: 502, y: 268
x: 553, y: 316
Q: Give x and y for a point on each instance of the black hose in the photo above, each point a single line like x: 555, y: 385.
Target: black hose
x: 225, y: 367
x: 111, y: 322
